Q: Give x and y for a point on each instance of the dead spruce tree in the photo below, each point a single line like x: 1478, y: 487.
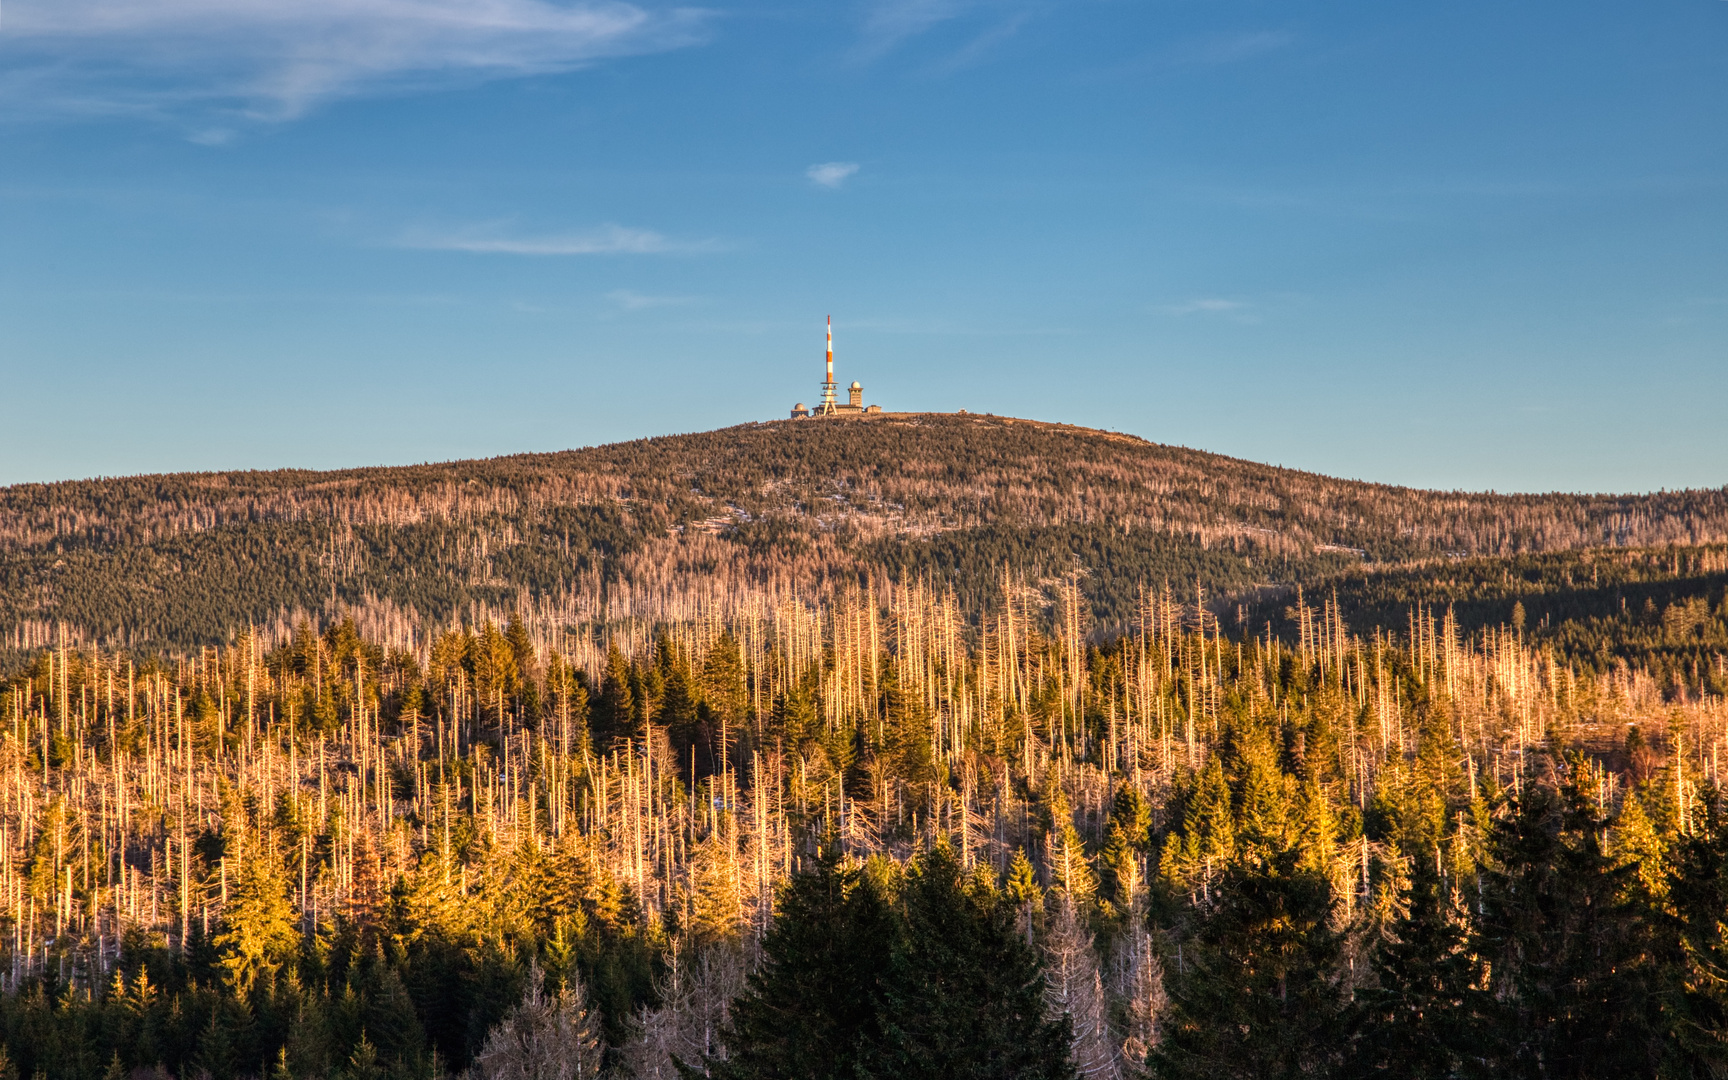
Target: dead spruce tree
x: 1075, y: 989
x: 695, y: 1007
x: 546, y: 1037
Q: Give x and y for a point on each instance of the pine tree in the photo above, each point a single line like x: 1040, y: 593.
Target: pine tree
x: 311, y: 1044
x: 1070, y: 872
x: 906, y: 735
x: 795, y: 717
x: 679, y: 711
x: 963, y: 996
x: 1567, y: 941
x: 390, y: 1019
x: 1414, y: 1019
x: 1123, y: 877
x: 614, y: 710
x: 1642, y: 843
x: 525, y: 660
x: 1696, y: 997
x: 497, y: 679
x: 1023, y: 890
x: 1207, y: 839
x: 1256, y: 991
x: 717, y: 899
x: 723, y: 685
x: 363, y: 1063
x: 1130, y: 813
x: 810, y: 1011
x: 567, y: 706
x: 1264, y: 817
x: 219, y: 1047
x: 258, y: 934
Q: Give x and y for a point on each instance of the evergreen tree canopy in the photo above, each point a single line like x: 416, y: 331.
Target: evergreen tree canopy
x: 935, y: 982
x: 1418, y: 1017
x: 1255, y: 993
x: 1697, y: 997
x: 1570, y: 950
x: 810, y: 1012
x: 963, y: 995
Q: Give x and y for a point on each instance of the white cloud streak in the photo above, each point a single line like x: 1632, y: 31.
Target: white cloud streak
x: 635, y: 301
x: 889, y: 24
x: 980, y: 46
x: 1232, y: 49
x: 606, y: 240
x: 1205, y: 305
x: 273, y: 60
x: 831, y: 174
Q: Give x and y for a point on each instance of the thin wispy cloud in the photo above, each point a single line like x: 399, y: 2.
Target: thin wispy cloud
x: 888, y: 24
x: 210, y: 62
x: 1208, y: 304
x: 626, y: 300
x: 939, y: 326
x: 1231, y: 48
x: 980, y: 46
x: 1215, y: 306
x: 606, y: 240
x: 831, y: 174
x: 1206, y: 51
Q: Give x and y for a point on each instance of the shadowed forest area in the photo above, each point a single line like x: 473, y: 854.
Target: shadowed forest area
x: 922, y: 746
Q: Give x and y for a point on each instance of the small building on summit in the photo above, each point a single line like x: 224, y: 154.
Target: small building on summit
x: 830, y: 404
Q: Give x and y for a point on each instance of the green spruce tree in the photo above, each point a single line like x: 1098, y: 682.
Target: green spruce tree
x: 1255, y: 993
x: 1695, y: 952
x: 963, y: 996
x: 1568, y: 942
x: 1414, y: 1019
x: 810, y: 1012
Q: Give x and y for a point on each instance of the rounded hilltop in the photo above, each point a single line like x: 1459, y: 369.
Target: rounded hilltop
x: 179, y: 559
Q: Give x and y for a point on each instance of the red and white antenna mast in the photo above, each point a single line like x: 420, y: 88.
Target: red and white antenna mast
x: 830, y: 403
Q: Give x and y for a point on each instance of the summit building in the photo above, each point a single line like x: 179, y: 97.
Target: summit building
x: 830, y: 404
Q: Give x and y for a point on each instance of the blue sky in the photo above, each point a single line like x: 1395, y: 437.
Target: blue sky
x: 1479, y: 245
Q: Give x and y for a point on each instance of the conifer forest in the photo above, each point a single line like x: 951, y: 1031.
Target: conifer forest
x: 965, y: 748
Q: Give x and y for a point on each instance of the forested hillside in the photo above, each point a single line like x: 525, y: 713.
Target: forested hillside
x: 900, y: 747
x: 646, y: 529
x: 1000, y: 851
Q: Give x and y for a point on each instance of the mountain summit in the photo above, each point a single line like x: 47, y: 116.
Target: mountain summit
x: 635, y: 528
